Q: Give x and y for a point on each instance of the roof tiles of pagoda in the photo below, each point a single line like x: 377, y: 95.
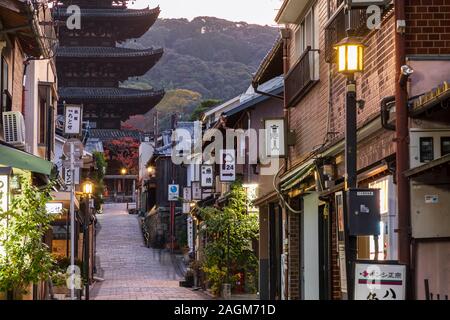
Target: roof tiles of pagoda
x: 109, y: 95
x: 117, y: 13
x: 110, y: 134
x: 107, y: 52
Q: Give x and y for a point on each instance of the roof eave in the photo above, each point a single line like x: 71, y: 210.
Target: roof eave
x: 290, y: 11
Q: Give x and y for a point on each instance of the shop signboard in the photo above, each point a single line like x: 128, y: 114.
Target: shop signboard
x: 186, y: 199
x: 73, y: 119
x: 207, y: 178
x: 196, y: 190
x: 274, y: 129
x: 379, y: 280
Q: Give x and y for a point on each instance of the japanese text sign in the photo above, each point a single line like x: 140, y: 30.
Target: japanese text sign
x: 73, y: 119
x: 378, y: 281
x: 207, y: 177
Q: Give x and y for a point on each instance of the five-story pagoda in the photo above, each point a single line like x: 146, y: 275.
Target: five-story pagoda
x: 91, y: 65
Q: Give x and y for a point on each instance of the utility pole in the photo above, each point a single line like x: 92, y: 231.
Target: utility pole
x: 87, y: 218
x: 350, y: 174
x: 402, y: 143
x: 72, y: 220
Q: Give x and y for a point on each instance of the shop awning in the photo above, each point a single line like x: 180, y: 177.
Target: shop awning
x: 297, y: 176
x: 22, y: 160
x: 427, y: 167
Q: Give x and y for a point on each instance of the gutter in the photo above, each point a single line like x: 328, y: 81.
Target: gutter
x: 255, y: 87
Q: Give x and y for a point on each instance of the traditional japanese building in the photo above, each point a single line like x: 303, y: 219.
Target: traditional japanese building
x: 92, y: 63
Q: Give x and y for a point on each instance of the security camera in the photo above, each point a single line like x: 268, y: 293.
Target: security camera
x: 405, y: 72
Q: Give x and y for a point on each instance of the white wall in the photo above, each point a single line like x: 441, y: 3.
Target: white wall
x: 37, y: 71
x: 311, y: 246
x: 146, y: 150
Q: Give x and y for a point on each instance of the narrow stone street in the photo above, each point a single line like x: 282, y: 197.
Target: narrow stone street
x: 130, y: 270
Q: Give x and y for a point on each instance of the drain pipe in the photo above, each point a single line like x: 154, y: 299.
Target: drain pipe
x: 401, y: 138
x: 285, y: 35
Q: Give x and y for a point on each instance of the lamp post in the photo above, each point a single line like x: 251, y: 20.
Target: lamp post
x: 123, y: 172
x: 350, y: 54
x: 87, y: 188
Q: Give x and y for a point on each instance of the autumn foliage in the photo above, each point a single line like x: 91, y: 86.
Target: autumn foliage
x: 122, y: 153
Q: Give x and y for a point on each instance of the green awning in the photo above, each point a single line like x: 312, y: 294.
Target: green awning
x: 18, y: 159
x: 297, y: 176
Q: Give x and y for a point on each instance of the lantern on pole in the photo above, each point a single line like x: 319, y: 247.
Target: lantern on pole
x: 350, y: 56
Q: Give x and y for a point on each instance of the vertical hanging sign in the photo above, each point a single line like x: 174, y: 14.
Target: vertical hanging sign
x: 207, y: 176
x: 196, y: 190
x: 228, y: 165
x: 274, y: 129
x: 186, y: 199
x: 68, y: 177
x: 73, y: 116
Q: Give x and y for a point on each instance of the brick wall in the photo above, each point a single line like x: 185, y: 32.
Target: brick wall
x: 315, y: 121
x: 427, y: 27
x: 309, y: 117
x: 294, y: 256
x: 335, y: 272
x: 374, y: 84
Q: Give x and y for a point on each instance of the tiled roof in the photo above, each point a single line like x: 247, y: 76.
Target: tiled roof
x: 107, y: 52
x: 272, y: 64
x: 61, y: 13
x: 119, y: 95
x: 110, y: 134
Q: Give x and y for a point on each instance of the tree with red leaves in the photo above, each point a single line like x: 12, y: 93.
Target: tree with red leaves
x: 122, y: 153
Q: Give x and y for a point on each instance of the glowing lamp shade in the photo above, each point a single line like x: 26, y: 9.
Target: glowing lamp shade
x: 150, y: 170
x: 88, y: 187
x: 350, y: 56
x: 123, y: 171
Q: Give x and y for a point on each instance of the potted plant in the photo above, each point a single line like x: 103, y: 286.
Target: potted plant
x: 26, y: 259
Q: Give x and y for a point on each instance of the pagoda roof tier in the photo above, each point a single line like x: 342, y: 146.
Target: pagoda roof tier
x: 110, y: 95
x: 108, y: 52
x: 126, y: 23
x: 96, y: 3
x: 60, y: 13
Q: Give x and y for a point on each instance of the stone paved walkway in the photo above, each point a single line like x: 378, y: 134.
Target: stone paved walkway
x: 130, y: 270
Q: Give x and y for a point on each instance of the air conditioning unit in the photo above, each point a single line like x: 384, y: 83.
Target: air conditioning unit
x: 427, y: 145
x: 14, y: 129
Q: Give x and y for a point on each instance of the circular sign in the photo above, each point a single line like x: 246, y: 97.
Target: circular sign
x: 78, y: 148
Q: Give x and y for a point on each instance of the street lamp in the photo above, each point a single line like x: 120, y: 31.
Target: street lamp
x: 350, y: 56
x: 87, y: 188
x: 151, y: 170
x: 123, y: 172
x: 350, y: 60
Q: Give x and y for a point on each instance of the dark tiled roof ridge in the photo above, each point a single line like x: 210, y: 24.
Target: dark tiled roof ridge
x: 106, y: 134
x: 102, y: 92
x: 106, y: 52
x: 116, y: 12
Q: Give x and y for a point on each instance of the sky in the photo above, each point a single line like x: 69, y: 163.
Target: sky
x: 252, y: 11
